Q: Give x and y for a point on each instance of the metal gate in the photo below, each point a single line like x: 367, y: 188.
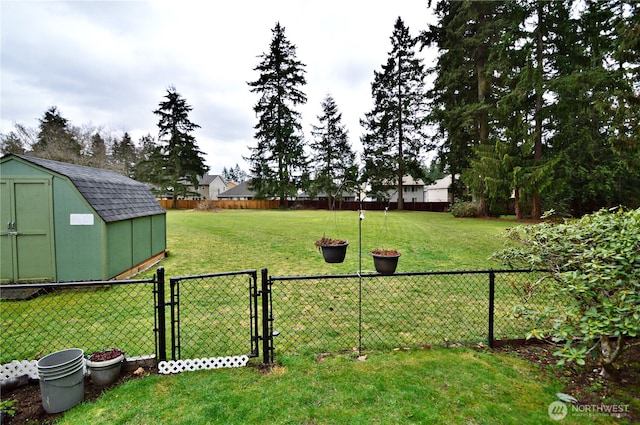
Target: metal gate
x: 214, y: 315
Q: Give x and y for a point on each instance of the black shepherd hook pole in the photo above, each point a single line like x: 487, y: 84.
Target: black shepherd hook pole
x: 360, y: 218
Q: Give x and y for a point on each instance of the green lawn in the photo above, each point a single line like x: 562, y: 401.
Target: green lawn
x: 283, y: 241
x: 437, y: 386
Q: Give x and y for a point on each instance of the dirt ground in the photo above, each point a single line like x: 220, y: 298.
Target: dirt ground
x: 585, y: 383
x: 581, y: 382
x: 28, y: 404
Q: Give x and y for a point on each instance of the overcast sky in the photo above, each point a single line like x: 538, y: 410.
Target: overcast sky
x: 108, y: 63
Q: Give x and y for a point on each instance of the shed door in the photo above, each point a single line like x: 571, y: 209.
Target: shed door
x: 26, y: 236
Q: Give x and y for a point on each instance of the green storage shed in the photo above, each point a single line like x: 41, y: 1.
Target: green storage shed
x: 65, y: 222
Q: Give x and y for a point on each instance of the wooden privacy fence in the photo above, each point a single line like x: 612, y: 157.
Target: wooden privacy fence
x: 252, y: 204
x: 190, y: 204
x: 183, y: 204
x: 255, y: 204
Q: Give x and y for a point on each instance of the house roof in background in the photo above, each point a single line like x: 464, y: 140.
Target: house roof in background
x: 208, y: 178
x: 113, y: 196
x: 410, y: 181
x: 442, y: 183
x: 240, y: 191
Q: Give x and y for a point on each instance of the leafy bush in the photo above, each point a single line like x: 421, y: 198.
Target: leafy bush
x: 464, y: 209
x: 595, y: 279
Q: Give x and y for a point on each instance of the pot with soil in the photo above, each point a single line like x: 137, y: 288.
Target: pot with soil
x: 104, y: 366
x: 385, y: 260
x: 333, y: 250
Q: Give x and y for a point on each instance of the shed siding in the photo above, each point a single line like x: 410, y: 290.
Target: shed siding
x: 87, y: 246
x: 78, y: 249
x: 158, y: 233
x: 141, y: 237
x: 12, y: 169
x: 119, y: 246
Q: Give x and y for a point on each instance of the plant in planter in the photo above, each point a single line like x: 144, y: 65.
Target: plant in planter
x: 385, y: 260
x: 333, y: 250
x: 104, y: 366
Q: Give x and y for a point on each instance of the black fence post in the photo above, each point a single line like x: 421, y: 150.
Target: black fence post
x: 492, y: 294
x: 267, y: 332
x: 254, y: 293
x: 175, y: 304
x: 161, y: 325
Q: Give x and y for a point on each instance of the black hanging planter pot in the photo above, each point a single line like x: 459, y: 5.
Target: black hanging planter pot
x: 385, y: 260
x: 333, y: 250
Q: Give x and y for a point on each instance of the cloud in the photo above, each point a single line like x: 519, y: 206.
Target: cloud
x: 110, y: 62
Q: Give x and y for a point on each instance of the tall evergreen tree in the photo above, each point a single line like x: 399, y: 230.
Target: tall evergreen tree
x: 433, y: 171
x: 234, y: 174
x: 143, y: 170
x: 124, y: 155
x: 560, y: 101
x: 454, y: 87
x: 334, y: 162
x: 55, y: 139
x: 394, y: 138
x: 177, y: 161
x: 517, y: 65
x: 590, y: 87
x: 98, y: 152
x: 278, y: 161
x: 625, y: 134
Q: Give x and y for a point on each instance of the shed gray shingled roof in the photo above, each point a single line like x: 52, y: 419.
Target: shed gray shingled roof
x: 113, y: 196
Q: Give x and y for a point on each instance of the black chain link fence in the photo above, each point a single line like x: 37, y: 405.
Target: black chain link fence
x: 313, y: 314
x: 214, y: 315
x: 39, y: 319
x: 229, y: 314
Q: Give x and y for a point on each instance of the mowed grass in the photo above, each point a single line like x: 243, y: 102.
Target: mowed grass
x: 437, y: 386
x: 283, y: 241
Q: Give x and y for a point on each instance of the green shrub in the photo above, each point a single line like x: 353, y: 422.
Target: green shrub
x: 595, y: 277
x: 464, y: 209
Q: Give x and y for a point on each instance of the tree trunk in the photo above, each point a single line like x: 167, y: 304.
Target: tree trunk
x: 483, y: 207
x: 518, y: 208
x: 610, y: 353
x: 536, y: 208
x: 483, y: 118
x: 400, y: 139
